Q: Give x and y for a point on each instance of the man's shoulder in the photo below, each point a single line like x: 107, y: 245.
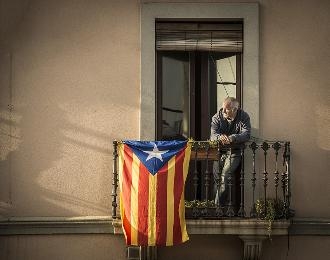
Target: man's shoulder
x: 216, y: 116
x: 243, y: 113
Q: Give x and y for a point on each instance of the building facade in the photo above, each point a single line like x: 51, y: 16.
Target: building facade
x: 76, y: 75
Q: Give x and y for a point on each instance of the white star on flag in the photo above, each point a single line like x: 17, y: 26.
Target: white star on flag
x: 155, y: 153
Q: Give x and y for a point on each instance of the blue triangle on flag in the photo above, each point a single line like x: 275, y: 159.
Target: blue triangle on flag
x: 155, y: 154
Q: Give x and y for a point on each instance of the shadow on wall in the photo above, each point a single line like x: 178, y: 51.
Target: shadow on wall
x: 55, y: 153
x: 50, y: 164
x: 56, y: 159
x: 204, y: 247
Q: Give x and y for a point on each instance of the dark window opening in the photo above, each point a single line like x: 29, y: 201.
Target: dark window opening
x: 198, y: 64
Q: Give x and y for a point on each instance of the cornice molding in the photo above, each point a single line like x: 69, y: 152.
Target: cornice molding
x: 310, y: 226
x: 228, y: 227
x: 105, y: 225
x: 253, y: 227
x: 56, y: 225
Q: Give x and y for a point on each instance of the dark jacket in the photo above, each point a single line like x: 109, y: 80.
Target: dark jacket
x: 239, y: 129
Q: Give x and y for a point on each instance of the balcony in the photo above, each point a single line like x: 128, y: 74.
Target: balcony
x: 258, y: 196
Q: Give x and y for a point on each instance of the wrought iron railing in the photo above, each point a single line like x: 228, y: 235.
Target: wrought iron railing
x: 260, y: 184
x: 252, y: 191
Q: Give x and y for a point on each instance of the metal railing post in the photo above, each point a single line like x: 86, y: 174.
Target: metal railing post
x: 254, y: 147
x: 241, y: 211
x: 288, y: 184
x: 219, y: 212
x: 114, y: 180
x: 230, y: 211
x: 265, y: 147
x: 277, y: 147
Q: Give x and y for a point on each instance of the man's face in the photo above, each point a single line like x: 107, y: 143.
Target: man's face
x: 229, y: 112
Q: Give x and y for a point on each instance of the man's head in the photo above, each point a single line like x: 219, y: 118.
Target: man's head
x: 229, y: 108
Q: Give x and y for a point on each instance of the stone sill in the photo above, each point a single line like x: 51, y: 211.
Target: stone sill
x: 228, y: 227
x: 105, y: 225
x: 56, y: 225
x: 237, y: 227
x: 310, y: 226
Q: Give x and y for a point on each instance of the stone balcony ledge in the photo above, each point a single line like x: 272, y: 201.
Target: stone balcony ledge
x: 253, y: 227
x: 106, y: 225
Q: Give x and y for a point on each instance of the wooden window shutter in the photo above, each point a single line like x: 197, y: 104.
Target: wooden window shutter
x: 199, y: 36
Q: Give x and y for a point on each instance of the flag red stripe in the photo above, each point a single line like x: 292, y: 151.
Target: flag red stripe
x: 126, y: 193
x: 161, y: 206
x: 143, y: 201
x: 178, y: 189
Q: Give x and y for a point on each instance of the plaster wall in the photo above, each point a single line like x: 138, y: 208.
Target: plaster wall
x: 296, y: 248
x: 197, y: 248
x: 84, y: 247
x: 69, y: 87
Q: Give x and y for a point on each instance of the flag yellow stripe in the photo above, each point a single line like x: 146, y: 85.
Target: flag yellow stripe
x: 120, y: 150
x: 170, y: 201
x: 152, y: 210
x: 134, y: 199
x: 182, y: 206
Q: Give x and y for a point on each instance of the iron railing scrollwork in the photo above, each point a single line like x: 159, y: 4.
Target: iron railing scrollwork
x: 249, y: 183
x: 114, y: 180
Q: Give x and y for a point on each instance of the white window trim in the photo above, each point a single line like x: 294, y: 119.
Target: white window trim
x: 249, y: 12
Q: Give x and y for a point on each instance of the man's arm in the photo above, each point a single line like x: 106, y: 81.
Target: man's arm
x: 215, y: 128
x: 245, y: 130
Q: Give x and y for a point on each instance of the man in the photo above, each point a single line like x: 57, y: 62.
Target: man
x: 231, y: 125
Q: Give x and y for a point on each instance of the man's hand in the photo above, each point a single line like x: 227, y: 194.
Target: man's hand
x: 225, y: 139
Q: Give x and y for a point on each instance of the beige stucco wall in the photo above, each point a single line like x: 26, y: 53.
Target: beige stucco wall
x: 70, y: 75
x: 226, y: 247
x: 211, y: 247
x: 73, y: 82
x: 98, y: 247
x: 70, y: 247
x: 296, y: 248
x: 295, y: 94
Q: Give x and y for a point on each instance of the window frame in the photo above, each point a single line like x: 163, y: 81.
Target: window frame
x: 248, y: 12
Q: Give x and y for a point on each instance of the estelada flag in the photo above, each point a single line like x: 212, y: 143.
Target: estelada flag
x: 151, y: 179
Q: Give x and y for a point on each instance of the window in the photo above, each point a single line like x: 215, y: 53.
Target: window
x: 198, y: 64
x: 150, y: 12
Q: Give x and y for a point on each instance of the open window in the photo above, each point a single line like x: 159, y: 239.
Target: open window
x: 198, y: 64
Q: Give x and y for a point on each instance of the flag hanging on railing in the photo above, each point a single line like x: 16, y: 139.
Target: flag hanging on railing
x: 151, y: 180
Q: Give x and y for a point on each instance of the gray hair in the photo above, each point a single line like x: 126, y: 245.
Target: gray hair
x: 232, y: 101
